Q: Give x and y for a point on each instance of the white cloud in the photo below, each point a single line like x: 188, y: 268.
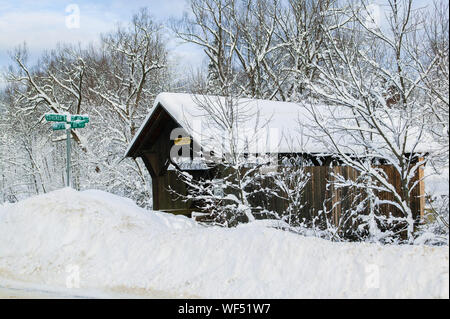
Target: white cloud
x: 43, y: 24
x: 42, y: 30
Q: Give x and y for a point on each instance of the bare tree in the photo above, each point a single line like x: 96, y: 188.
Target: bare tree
x: 301, y: 26
x: 370, y: 75
x: 55, y: 86
x: 115, y: 83
x: 52, y: 86
x: 435, y: 58
x: 223, y: 138
x: 239, y: 39
x: 290, y: 180
x: 127, y: 74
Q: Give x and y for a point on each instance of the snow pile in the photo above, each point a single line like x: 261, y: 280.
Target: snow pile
x: 117, y: 246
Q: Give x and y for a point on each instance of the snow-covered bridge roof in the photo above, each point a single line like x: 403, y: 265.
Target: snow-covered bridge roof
x: 263, y: 126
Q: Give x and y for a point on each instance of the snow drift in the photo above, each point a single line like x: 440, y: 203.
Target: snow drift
x: 116, y: 245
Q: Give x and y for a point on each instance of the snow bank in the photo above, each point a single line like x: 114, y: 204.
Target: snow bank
x: 115, y: 245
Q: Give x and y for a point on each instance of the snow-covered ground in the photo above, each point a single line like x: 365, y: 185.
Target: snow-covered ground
x: 95, y: 241
x: 14, y: 289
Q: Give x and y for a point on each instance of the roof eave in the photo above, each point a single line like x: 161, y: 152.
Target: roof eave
x: 135, y: 142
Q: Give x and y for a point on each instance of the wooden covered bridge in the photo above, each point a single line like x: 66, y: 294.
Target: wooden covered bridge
x: 174, y: 111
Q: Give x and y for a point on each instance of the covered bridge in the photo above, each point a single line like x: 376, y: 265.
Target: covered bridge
x: 173, y: 119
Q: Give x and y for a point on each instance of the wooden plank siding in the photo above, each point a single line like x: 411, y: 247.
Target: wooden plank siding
x: 316, y: 194
x: 166, y: 200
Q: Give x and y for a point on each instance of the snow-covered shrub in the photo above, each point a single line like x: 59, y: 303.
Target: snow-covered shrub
x: 289, y: 182
x: 435, y: 227
x: 231, y: 195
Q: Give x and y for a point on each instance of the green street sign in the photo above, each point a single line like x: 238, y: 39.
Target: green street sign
x: 55, y: 117
x: 58, y: 126
x: 80, y: 118
x: 63, y: 121
x: 77, y: 124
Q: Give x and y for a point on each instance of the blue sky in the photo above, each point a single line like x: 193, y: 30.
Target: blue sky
x: 42, y: 24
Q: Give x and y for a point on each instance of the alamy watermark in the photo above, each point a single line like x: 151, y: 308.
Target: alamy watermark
x: 372, y: 272
x: 72, y: 276
x: 216, y: 146
x: 73, y: 17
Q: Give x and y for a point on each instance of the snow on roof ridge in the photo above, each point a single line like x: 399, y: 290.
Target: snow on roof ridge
x: 290, y: 119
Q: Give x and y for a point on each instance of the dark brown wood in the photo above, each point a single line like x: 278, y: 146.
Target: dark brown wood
x: 153, y: 145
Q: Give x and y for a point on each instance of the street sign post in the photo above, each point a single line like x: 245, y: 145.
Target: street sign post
x: 67, y: 122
